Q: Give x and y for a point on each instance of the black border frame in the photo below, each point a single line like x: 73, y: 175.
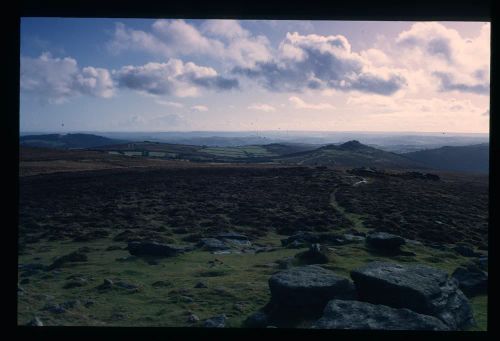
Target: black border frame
x: 385, y: 10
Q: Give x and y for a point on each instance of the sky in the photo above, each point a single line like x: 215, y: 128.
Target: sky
x: 133, y: 75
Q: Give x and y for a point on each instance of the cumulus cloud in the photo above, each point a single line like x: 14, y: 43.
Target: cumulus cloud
x: 58, y: 79
x: 199, y: 108
x: 448, y: 83
x: 457, y: 63
x: 321, y: 62
x: 262, y: 107
x: 301, y: 104
x: 218, y: 39
x: 173, y: 77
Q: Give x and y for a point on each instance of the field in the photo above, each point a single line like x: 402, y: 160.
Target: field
x: 180, y: 202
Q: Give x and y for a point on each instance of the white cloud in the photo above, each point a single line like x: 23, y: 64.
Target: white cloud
x: 262, y: 107
x: 301, y: 104
x: 58, y: 79
x: 320, y: 63
x: 452, y: 62
x: 170, y: 104
x: 199, y: 108
x: 173, y: 77
x: 221, y: 40
x: 225, y: 28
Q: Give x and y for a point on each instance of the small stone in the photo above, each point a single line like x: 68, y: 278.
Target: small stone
x: 257, y: 320
x: 216, y: 322
x: 192, y: 318
x: 107, y: 284
x: 35, y: 322
x: 54, y: 308
x: 201, y: 285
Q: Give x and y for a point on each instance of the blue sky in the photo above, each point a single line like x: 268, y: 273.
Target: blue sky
x: 228, y: 75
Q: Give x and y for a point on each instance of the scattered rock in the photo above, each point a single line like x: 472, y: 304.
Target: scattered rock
x: 35, y: 322
x: 420, y: 288
x: 216, y: 322
x: 482, y: 263
x: 285, y: 263
x: 200, y: 285
x: 107, y: 284
x: 466, y: 251
x: 353, y: 238
x: 187, y: 299
x: 156, y: 249
x: 260, y: 249
x: 307, y: 289
x: 340, y: 314
x: 192, y: 318
x: 296, y: 244
x: 31, y: 269
x: 236, y: 239
x: 54, y: 308
x: 314, y: 255
x: 125, y: 285
x: 471, y: 280
x: 212, y: 244
x: 78, y: 282
x: 385, y: 242
x: 118, y: 316
x: 223, y: 252
x: 257, y: 320
x: 301, y: 237
x: 161, y: 284
x: 114, y: 248
x: 71, y: 257
x: 239, y: 306
x: 70, y: 304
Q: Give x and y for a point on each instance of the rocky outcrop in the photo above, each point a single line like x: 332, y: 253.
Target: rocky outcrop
x: 234, y: 238
x: 151, y: 248
x: 215, y: 322
x: 71, y: 257
x: 212, y: 244
x: 420, y: 288
x: 341, y: 314
x: 385, y: 242
x: 471, y: 280
x: 307, y: 289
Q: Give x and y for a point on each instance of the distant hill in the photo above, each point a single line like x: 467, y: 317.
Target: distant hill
x: 474, y: 158
x: 66, y: 141
x: 351, y: 154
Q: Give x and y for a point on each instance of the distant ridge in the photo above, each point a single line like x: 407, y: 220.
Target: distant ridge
x: 67, y: 141
x: 473, y: 158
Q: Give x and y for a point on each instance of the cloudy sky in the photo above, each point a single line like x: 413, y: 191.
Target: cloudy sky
x: 228, y: 75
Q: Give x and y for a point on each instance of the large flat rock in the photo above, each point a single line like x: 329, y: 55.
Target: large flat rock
x: 420, y: 288
x: 152, y: 248
x: 345, y: 314
x: 307, y: 289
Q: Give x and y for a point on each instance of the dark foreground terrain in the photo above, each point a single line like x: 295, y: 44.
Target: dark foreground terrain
x: 94, y: 215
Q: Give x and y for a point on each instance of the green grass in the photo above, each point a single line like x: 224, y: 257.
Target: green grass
x: 237, y: 287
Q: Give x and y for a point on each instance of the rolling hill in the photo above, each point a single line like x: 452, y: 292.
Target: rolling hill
x: 474, y: 158
x: 351, y: 154
x: 66, y: 141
